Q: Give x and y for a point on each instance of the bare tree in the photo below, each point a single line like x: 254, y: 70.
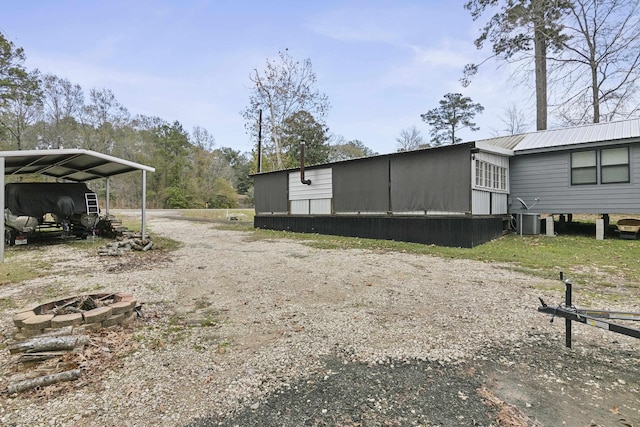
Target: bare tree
x: 283, y: 88
x: 103, y: 117
x: 201, y: 138
x: 63, y: 103
x: 599, y: 68
x: 410, y: 139
x: 515, y: 120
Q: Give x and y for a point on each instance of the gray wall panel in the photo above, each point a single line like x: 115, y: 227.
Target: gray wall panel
x: 432, y: 180
x: 362, y: 185
x: 270, y: 192
x: 547, y: 176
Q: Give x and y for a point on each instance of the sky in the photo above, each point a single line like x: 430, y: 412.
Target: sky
x: 381, y: 63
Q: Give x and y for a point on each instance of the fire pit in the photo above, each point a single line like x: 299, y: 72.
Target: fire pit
x: 89, y: 312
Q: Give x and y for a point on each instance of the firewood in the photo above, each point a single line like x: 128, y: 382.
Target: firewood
x: 55, y: 310
x: 39, y: 357
x: 71, y: 375
x: 38, y: 345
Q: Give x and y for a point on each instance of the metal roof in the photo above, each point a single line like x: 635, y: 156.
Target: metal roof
x: 77, y: 165
x: 557, y: 138
x: 508, y: 142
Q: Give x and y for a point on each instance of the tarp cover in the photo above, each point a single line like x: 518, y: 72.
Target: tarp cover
x: 361, y: 185
x: 270, y: 192
x: 432, y: 180
x: 36, y: 199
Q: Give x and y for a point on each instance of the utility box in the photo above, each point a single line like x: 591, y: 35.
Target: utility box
x: 530, y: 223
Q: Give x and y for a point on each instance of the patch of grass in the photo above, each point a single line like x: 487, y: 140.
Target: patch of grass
x: 90, y: 289
x: 90, y: 244
x: 230, y: 215
x: 211, y: 318
x: 14, y: 271
x: 163, y: 243
x: 7, y: 304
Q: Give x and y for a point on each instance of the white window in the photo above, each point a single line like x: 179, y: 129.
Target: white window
x: 614, y: 165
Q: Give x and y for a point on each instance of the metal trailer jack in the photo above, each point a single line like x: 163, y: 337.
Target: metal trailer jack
x: 589, y: 316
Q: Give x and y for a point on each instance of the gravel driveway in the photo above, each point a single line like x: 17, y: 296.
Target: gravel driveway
x: 254, y: 332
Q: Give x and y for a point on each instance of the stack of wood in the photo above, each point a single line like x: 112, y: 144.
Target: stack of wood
x: 125, y: 245
x: 111, y: 227
x: 44, y: 348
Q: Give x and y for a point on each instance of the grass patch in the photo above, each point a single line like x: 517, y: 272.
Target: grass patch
x: 7, y: 304
x: 13, y: 271
x: 231, y: 215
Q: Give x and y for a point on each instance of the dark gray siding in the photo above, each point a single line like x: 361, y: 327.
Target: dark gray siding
x: 361, y: 186
x: 270, y: 192
x: 547, y: 176
x: 432, y: 180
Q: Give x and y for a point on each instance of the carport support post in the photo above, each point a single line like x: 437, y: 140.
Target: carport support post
x: 567, y: 322
x: 144, y: 203
x: 2, y: 208
x: 106, y: 208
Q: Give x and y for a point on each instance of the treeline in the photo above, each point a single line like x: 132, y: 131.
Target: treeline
x: 47, y: 112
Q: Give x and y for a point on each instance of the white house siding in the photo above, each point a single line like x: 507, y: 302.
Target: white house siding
x: 499, y: 203
x: 314, y: 199
x: 547, y: 176
x: 486, y: 200
x: 299, y: 207
x: 481, y: 202
x: 320, y: 207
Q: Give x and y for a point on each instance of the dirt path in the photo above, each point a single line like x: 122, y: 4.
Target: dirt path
x: 239, y: 331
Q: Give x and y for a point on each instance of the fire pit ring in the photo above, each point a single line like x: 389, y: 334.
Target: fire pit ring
x: 89, y: 312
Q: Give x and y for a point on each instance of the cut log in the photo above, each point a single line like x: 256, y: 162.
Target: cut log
x: 39, y: 357
x: 40, y: 344
x: 18, y: 387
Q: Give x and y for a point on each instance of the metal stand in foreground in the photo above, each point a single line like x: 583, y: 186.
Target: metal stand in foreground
x: 589, y: 316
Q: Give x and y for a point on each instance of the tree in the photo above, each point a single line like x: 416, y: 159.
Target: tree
x: 455, y: 113
x: 20, y: 104
x: 22, y: 109
x: 302, y: 126
x: 224, y: 195
x: 515, y: 120
x: 600, y: 61
x: 517, y: 28
x: 12, y: 71
x: 240, y: 166
x: 63, y: 104
x: 103, y: 118
x: 410, y: 139
x: 285, y: 87
x: 346, y: 150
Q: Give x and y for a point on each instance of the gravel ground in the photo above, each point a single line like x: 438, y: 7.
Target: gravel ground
x: 238, y: 331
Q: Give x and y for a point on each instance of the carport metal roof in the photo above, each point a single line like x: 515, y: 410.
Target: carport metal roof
x: 77, y: 165
x: 71, y: 164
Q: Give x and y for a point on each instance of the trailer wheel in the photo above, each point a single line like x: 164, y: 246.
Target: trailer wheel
x: 10, y: 237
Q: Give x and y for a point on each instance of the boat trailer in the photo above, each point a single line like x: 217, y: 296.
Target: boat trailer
x: 588, y: 316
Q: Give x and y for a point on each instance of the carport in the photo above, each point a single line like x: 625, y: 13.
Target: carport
x: 75, y: 165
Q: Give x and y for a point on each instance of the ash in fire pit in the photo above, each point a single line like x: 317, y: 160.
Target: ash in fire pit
x: 90, y: 312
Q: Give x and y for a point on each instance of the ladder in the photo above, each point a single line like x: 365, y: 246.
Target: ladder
x: 91, y: 200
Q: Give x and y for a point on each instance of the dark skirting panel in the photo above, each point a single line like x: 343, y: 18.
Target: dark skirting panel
x: 464, y: 232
